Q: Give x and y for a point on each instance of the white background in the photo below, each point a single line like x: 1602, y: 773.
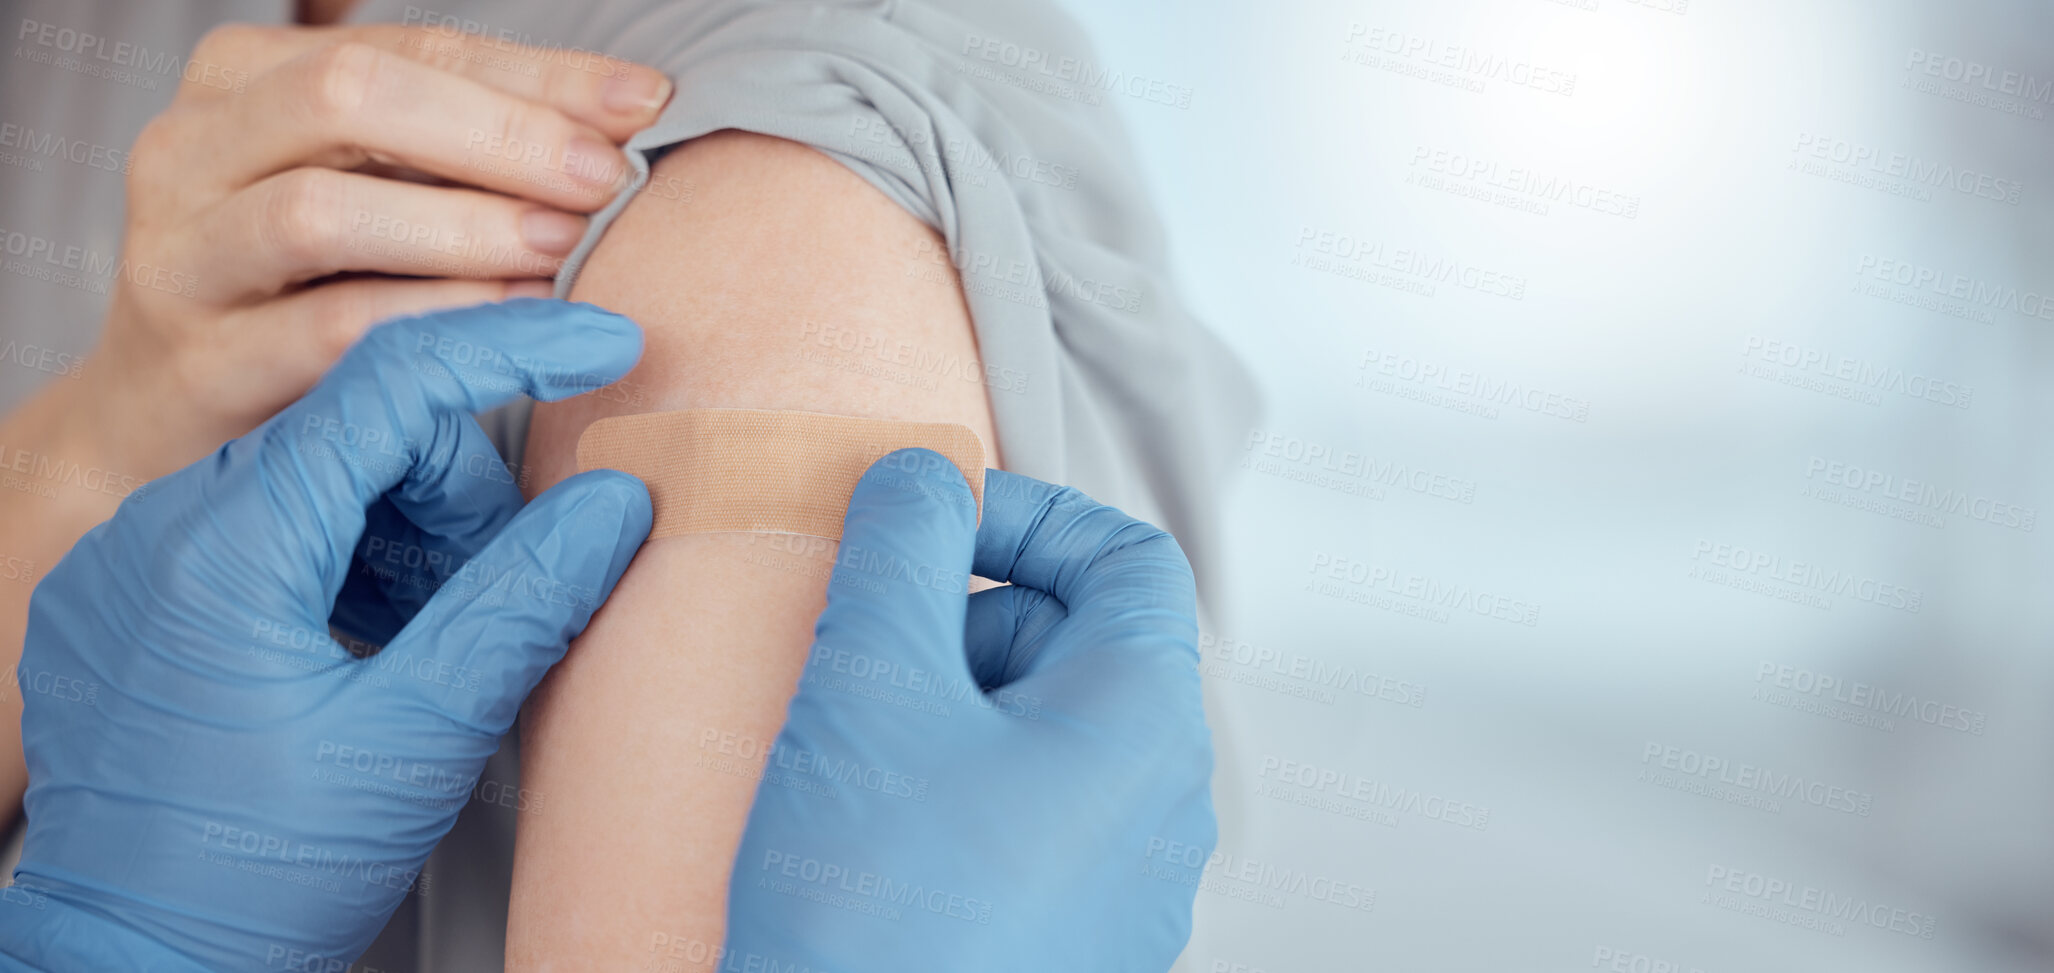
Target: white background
x: 1698, y: 115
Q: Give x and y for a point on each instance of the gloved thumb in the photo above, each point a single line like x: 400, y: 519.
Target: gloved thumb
x: 902, y: 574
x: 488, y: 635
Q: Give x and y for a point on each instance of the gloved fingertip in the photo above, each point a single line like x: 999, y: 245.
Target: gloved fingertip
x: 614, y: 504
x: 607, y: 344
x: 921, y: 474
x: 578, y: 315
x: 569, y: 311
x: 609, y: 325
x: 919, y: 461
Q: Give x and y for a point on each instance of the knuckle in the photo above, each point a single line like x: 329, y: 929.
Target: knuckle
x: 1064, y: 503
x: 302, y: 215
x: 1163, y: 548
x: 225, y: 44
x: 439, y: 51
x: 517, y: 121
x: 1157, y: 542
x: 148, y: 155
x: 342, y: 78
x: 1140, y: 544
x: 564, y: 85
x: 410, y: 39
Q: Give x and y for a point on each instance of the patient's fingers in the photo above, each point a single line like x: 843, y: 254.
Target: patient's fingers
x: 308, y: 223
x: 343, y: 105
x: 616, y: 97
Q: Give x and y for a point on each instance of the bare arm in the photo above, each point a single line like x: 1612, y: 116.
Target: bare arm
x: 57, y: 481
x: 778, y: 280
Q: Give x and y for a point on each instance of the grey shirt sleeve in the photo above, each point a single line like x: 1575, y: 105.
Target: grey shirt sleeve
x: 987, y: 122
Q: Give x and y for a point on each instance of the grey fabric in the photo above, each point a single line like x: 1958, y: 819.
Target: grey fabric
x: 1106, y: 381
x: 1099, y: 376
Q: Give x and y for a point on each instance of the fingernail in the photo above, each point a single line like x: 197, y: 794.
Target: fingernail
x: 593, y: 162
x: 551, y: 232
x: 639, y: 93
x: 530, y: 288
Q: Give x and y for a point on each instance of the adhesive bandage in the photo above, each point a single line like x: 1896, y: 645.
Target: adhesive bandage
x: 714, y: 470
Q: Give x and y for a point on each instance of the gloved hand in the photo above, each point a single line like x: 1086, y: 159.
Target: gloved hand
x: 236, y: 792
x: 1015, y: 781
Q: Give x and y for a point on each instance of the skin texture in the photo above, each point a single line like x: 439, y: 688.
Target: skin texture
x: 777, y: 279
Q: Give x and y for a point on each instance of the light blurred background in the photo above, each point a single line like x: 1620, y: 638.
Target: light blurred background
x: 1775, y: 357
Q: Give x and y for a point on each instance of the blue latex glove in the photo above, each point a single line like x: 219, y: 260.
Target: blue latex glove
x: 1013, y: 781
x: 235, y: 791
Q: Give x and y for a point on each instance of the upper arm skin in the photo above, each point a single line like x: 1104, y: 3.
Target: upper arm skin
x: 777, y: 280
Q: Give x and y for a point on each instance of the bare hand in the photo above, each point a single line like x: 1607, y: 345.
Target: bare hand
x: 307, y: 183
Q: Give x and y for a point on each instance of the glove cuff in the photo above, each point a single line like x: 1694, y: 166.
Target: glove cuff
x: 42, y: 934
